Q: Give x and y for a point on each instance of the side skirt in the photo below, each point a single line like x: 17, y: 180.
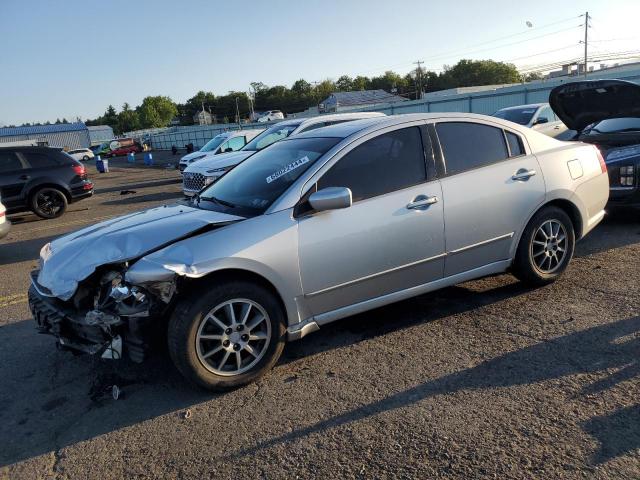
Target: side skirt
x: 298, y: 331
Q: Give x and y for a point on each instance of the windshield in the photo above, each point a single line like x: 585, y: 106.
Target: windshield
x: 252, y: 186
x: 269, y: 136
x: 213, y: 143
x: 614, y: 125
x: 518, y: 115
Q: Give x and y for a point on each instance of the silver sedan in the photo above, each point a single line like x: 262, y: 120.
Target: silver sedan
x: 315, y: 228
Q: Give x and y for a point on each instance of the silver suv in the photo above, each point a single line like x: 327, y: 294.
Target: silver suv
x: 315, y: 228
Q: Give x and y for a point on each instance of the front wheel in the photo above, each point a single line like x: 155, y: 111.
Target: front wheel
x: 546, y: 247
x: 85, y: 158
x: 227, y: 335
x: 48, y: 202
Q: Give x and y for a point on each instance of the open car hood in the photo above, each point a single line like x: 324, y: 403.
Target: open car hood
x: 579, y: 104
x: 70, y: 259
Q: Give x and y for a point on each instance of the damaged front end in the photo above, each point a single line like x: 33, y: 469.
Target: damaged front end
x: 106, y: 315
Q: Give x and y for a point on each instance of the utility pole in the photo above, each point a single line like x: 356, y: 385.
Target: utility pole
x: 586, y: 30
x: 419, y: 78
x: 238, y: 114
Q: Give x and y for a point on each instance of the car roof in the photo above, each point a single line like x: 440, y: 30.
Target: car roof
x: 32, y: 147
x: 528, y: 105
x: 346, y: 129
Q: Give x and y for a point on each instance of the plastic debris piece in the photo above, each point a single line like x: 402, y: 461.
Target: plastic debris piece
x: 187, y: 413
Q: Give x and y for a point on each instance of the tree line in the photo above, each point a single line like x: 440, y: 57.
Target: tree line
x: 159, y: 111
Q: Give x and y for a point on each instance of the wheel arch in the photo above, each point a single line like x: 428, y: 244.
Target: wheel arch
x: 226, y: 274
x: 566, y: 205
x: 46, y: 184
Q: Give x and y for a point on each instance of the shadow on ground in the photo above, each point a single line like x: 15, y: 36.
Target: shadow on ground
x: 128, y: 199
x: 24, y: 250
x: 589, y: 351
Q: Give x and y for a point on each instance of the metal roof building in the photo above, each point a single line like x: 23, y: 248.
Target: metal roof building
x: 100, y: 133
x: 339, y: 101
x: 70, y: 135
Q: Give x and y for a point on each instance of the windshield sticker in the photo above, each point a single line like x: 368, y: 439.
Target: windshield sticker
x: 286, y: 169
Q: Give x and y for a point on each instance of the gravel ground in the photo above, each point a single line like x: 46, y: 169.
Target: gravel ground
x: 483, y: 380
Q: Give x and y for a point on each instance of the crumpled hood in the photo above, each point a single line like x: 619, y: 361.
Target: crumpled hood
x: 579, y: 104
x: 72, y: 258
x: 222, y: 160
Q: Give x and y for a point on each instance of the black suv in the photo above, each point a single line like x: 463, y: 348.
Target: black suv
x: 42, y: 179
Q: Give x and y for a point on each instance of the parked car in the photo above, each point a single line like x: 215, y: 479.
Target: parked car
x: 270, y: 116
x: 538, y: 116
x: 83, y: 154
x: 117, y: 152
x: 317, y: 227
x: 41, y: 179
x: 222, y: 143
x: 606, y: 113
x: 5, y: 225
x: 101, y: 149
x: 209, y: 169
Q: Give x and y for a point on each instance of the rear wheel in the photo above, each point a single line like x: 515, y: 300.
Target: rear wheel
x: 85, y: 158
x: 48, y: 202
x: 227, y: 336
x: 546, y: 247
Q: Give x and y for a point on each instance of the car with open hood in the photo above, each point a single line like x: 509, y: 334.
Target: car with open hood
x: 606, y: 113
x: 317, y: 227
x: 209, y: 169
x: 222, y: 143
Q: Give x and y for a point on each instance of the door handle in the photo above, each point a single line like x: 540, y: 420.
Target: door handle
x: 25, y: 177
x: 421, y: 202
x: 523, y: 175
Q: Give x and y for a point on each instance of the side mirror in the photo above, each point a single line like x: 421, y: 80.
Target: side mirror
x: 330, y: 198
x: 228, y: 149
x: 541, y: 120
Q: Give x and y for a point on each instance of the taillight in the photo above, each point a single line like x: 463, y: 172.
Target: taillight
x: 603, y: 165
x: 79, y: 169
x: 2, y: 214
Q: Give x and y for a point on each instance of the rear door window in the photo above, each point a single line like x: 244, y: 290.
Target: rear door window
x: 468, y: 145
x: 9, y: 162
x: 386, y: 163
x: 39, y: 160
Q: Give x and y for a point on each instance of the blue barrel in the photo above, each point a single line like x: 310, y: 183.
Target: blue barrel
x: 148, y: 158
x: 102, y: 165
x: 131, y: 157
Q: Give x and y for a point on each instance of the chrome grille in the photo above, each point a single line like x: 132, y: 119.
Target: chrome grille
x: 193, y: 182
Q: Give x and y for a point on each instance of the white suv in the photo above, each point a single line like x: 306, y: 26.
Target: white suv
x: 271, y: 115
x: 81, y: 154
x: 222, y: 143
x: 197, y: 176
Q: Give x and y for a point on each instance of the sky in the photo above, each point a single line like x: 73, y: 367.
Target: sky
x: 73, y: 58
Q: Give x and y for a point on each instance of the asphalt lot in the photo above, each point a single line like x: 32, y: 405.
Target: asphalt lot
x: 482, y: 380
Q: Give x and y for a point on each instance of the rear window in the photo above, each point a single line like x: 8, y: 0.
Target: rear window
x: 518, y: 115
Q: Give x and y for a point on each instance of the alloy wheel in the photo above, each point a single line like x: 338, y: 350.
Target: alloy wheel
x: 549, y: 246
x: 233, y: 337
x: 49, y: 202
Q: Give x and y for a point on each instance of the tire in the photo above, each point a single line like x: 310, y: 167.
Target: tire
x: 48, y: 202
x: 85, y: 158
x: 220, y: 370
x: 540, y: 260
